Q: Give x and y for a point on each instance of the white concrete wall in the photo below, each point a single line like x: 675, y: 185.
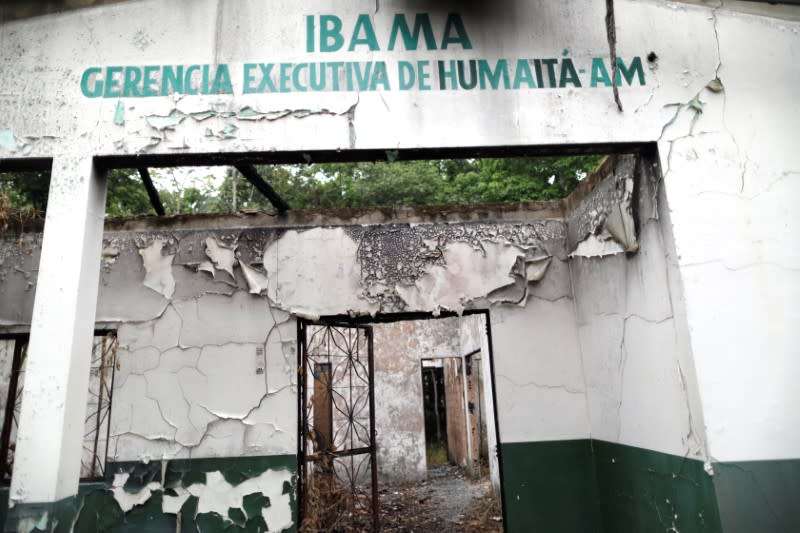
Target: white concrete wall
x: 537, y: 364
x: 731, y: 189
x: 641, y: 386
x: 209, y: 377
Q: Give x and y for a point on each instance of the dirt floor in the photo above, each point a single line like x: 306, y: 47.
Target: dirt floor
x: 447, y: 501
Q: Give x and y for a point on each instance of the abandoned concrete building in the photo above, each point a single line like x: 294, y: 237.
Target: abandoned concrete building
x: 623, y: 359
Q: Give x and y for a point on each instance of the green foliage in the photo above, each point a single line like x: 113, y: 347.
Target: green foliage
x: 330, y: 185
x: 126, y: 194
x: 435, y: 182
x: 26, y: 190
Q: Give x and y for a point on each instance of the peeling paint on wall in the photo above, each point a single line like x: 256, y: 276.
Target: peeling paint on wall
x: 603, y: 222
x: 158, y: 268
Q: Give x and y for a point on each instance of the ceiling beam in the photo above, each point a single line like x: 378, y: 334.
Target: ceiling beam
x: 151, y: 191
x: 251, y: 174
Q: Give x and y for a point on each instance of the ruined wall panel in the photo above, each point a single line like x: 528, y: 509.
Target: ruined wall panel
x: 19, y: 265
x: 633, y: 354
x: 399, y: 412
x: 398, y: 403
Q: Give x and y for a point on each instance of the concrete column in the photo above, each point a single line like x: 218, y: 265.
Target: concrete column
x: 49, y: 440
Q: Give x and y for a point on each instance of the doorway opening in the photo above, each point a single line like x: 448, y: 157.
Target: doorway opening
x: 397, y: 425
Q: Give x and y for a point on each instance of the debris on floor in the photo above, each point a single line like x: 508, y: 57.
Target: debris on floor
x: 448, y: 500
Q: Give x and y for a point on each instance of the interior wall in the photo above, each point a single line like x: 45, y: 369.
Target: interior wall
x: 399, y: 412
x: 202, y: 312
x: 641, y: 386
x: 473, y: 336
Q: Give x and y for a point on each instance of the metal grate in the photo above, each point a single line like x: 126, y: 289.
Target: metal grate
x: 339, y: 488
x: 13, y: 359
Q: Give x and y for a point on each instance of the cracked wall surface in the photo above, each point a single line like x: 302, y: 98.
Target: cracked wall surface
x: 640, y: 380
x: 201, y: 313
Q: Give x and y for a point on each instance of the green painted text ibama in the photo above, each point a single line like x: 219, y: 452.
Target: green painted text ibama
x: 330, y: 33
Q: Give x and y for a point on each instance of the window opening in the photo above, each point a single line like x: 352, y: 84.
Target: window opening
x: 13, y: 360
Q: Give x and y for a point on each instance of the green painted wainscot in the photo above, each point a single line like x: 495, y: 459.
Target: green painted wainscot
x: 94, y: 509
x: 597, y: 486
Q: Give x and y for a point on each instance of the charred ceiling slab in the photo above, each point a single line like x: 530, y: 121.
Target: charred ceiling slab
x: 601, y: 219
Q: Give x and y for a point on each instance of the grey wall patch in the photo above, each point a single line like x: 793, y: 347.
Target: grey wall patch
x: 222, y: 256
x: 256, y: 281
x: 158, y: 268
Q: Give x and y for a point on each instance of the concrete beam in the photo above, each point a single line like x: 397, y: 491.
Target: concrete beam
x: 48, y: 454
x: 251, y: 174
x: 152, y: 193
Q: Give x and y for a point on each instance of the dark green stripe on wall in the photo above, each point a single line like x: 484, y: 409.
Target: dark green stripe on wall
x: 643, y: 490
x: 759, y: 495
x: 549, y: 486
x: 94, y: 508
x: 589, y: 485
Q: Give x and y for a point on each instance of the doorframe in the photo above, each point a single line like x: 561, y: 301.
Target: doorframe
x: 382, y: 318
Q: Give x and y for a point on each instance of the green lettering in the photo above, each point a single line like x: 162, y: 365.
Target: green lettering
x: 405, y: 75
x: 296, y: 77
x: 454, y: 22
x: 493, y: 77
x: 266, y: 78
x: 599, y: 73
x: 568, y: 74
x: 537, y: 66
x: 309, y: 33
x: 284, y: 78
x: 551, y: 70
x: 171, y: 79
x: 330, y: 33
x: 628, y: 73
x: 317, y: 79
x: 247, y: 87
x: 112, y: 84
x: 523, y: 74
x: 348, y: 69
x: 363, y: 23
x: 422, y: 24
x: 423, y: 75
x: 97, y: 88
x: 445, y: 75
x: 335, y: 67
x: 222, y: 81
x: 188, y: 86
x: 149, y: 81
x: 473, y: 75
x: 131, y: 78
x: 379, y: 77
x: 204, y: 87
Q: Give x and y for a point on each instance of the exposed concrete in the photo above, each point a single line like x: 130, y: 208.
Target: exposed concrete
x: 399, y: 349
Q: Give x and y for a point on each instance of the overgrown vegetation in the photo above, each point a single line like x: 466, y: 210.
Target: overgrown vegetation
x: 436, y: 453
x: 330, y: 185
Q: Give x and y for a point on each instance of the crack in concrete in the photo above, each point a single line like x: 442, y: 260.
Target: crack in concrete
x: 541, y: 385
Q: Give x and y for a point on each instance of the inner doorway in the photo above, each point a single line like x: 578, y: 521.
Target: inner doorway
x: 397, y: 425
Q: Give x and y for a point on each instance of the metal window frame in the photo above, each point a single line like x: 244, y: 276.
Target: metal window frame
x: 20, y: 340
